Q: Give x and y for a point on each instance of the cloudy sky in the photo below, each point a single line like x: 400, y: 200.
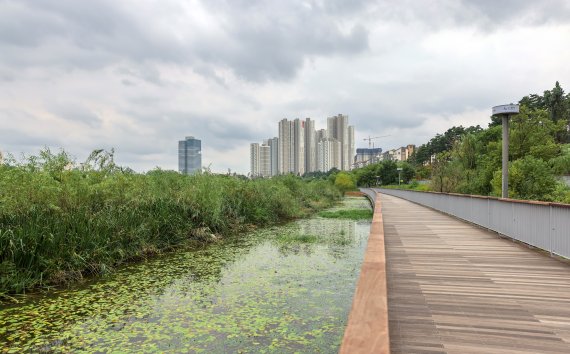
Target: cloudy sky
x: 138, y: 76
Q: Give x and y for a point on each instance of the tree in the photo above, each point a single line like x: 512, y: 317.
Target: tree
x: 408, y: 172
x: 529, y: 178
x: 344, y: 182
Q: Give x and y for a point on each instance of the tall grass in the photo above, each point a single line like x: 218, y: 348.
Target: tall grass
x: 59, y: 221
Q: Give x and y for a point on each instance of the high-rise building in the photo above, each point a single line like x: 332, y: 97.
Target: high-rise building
x: 291, y: 146
x: 351, y: 145
x: 189, y: 155
x: 328, y: 154
x: 285, y: 157
x: 321, y: 134
x: 299, y: 147
x: 337, y: 128
x: 273, y: 144
x: 367, y: 156
x: 264, y: 161
x: 260, y: 160
x: 254, y: 159
x: 310, y: 146
x: 296, y: 149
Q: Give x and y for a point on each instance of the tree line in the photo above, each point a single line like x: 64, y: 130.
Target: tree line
x: 468, y: 160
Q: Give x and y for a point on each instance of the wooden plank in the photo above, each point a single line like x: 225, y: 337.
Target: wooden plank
x: 367, y: 329
x: 456, y: 288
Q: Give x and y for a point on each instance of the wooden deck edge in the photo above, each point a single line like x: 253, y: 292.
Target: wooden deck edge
x: 367, y: 328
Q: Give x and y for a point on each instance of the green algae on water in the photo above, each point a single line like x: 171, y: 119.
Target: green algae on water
x: 254, y: 293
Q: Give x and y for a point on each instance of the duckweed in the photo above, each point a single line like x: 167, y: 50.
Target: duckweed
x: 249, y: 293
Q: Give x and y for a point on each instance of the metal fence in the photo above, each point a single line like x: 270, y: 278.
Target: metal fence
x: 539, y: 224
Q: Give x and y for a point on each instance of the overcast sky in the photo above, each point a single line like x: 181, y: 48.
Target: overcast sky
x: 138, y: 76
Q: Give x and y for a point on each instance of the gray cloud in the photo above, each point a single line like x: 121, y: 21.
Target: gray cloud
x: 138, y: 76
x: 255, y: 46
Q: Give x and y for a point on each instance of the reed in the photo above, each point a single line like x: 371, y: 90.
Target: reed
x: 60, y: 221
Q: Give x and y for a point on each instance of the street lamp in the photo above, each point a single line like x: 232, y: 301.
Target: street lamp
x: 399, y: 175
x: 505, y: 112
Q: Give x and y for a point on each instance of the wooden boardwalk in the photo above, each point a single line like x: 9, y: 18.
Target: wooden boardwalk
x: 456, y: 288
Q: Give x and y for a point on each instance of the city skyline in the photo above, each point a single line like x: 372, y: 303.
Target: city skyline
x: 137, y: 76
x: 300, y: 148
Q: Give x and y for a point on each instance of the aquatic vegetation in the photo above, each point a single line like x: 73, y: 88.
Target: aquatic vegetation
x: 353, y: 214
x: 60, y: 221
x: 246, y: 293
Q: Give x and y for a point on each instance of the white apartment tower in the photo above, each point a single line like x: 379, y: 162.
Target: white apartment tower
x: 273, y: 144
x: 337, y: 128
x: 260, y: 160
x: 254, y: 159
x: 328, y: 154
x: 291, y: 154
x: 299, y: 147
x: 351, y: 147
x: 285, y: 158
x: 310, y: 146
x: 264, y: 161
x: 321, y: 134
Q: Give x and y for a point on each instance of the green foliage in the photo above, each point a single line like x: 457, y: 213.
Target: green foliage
x: 440, y: 143
x: 529, y: 178
x: 469, y: 160
x: 225, y: 298
x: 59, y: 221
x: 414, y: 185
x: 353, y: 214
x: 561, y: 163
x: 344, y: 181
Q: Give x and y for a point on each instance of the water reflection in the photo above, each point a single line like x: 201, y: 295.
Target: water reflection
x: 250, y: 294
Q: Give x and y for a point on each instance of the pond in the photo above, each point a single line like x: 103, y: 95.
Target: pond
x: 287, y: 288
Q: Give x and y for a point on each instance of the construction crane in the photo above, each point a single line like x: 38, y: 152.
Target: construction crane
x: 376, y: 137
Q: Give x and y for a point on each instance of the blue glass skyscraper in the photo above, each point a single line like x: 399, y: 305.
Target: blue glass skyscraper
x: 189, y: 155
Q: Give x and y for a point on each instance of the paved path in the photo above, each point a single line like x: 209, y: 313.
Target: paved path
x: 456, y: 288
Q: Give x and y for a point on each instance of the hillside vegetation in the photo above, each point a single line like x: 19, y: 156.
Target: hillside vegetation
x: 468, y: 160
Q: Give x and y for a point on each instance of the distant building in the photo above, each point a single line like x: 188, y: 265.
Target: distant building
x: 410, y: 149
x: 310, y: 146
x: 259, y: 156
x: 273, y: 144
x: 328, y: 154
x: 351, y: 146
x: 399, y: 154
x: 367, y: 156
x: 296, y: 149
x: 337, y: 128
x: 285, y: 159
x: 189, y: 155
x: 291, y: 154
x: 321, y: 134
x: 254, y: 159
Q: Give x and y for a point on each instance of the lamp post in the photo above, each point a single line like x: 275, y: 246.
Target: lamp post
x: 505, y: 112
x: 399, y: 175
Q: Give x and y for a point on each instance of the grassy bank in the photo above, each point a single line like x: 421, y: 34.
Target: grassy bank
x: 412, y: 186
x: 59, y: 221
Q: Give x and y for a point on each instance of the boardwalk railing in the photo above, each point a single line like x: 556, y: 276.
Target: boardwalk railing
x: 539, y: 224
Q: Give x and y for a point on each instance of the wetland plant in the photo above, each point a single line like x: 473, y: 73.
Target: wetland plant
x: 60, y: 221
